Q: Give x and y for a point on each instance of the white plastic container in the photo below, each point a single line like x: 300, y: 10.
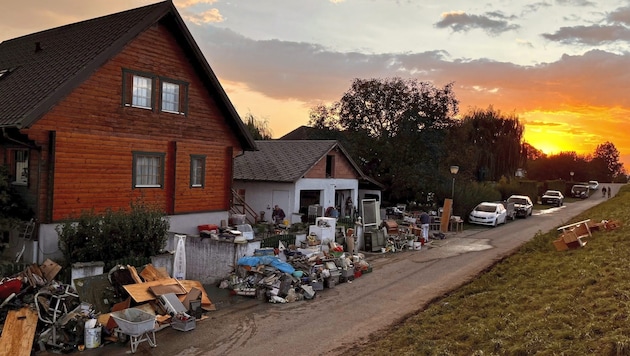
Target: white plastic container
x: 92, y: 337
x: 246, y: 230
x: 417, y: 246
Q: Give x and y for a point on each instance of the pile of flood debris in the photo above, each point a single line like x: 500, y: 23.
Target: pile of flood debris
x: 38, y: 312
x: 285, y: 275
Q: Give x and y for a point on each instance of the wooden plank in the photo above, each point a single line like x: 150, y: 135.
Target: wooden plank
x: 140, y: 291
x: 134, y: 274
x: 150, y: 273
x: 18, y: 332
x: 161, y: 290
x: 446, y: 215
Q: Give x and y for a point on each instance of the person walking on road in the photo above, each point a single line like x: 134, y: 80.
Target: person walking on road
x: 609, y: 191
x: 603, y: 192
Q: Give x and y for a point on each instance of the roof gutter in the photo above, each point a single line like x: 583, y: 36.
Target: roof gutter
x: 6, y: 136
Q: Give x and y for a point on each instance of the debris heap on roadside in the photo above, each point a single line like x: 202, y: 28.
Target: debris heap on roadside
x: 286, y: 275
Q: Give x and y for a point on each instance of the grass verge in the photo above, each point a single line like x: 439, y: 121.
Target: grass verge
x: 537, y: 301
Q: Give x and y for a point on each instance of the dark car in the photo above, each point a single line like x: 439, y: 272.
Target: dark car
x: 552, y: 197
x: 580, y: 191
x: 523, y: 205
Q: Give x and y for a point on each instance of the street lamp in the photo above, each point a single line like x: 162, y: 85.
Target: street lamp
x: 572, y: 173
x: 454, y: 170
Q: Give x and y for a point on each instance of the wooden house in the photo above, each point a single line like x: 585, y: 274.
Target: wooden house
x: 98, y: 114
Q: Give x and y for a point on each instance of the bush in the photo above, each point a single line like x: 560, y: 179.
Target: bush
x: 471, y: 194
x: 139, y: 231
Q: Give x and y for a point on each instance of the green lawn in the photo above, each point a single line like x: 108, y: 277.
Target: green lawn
x: 537, y: 301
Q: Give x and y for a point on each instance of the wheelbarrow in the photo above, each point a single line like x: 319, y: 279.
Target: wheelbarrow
x: 138, y: 325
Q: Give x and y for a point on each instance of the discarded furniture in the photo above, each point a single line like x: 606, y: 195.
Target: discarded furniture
x: 457, y: 224
x: 572, y: 235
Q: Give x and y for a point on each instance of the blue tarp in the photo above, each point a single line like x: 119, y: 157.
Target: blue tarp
x: 273, y: 261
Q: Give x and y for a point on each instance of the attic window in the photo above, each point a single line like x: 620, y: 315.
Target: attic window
x: 138, y: 89
x: 174, y: 96
x: 330, y: 166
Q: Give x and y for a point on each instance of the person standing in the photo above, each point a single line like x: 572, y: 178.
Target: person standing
x: 609, y: 190
x: 425, y: 220
x: 278, y: 215
x: 603, y: 192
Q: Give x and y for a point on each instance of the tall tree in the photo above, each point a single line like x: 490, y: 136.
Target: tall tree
x: 395, y: 127
x: 496, y: 140
x: 608, y: 156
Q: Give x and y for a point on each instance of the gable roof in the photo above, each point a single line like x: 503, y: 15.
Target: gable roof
x: 44, y: 67
x: 284, y: 160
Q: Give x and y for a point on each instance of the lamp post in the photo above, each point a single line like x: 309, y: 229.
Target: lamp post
x: 572, y: 173
x: 454, y: 170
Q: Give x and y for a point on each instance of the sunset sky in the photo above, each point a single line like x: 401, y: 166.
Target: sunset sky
x: 561, y: 66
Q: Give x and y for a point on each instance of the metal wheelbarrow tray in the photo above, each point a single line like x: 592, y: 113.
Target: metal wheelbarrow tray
x: 138, y: 324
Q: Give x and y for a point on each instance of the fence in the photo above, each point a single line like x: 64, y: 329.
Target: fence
x: 272, y: 241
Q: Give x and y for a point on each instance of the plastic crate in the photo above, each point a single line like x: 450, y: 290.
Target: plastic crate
x: 183, y: 325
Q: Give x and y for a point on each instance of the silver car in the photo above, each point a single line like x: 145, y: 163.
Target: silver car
x: 522, y: 205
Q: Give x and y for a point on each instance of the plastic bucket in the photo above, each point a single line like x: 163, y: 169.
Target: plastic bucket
x: 92, y: 337
x: 417, y: 245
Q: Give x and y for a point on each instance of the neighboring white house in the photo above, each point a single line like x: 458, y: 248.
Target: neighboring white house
x: 296, y: 174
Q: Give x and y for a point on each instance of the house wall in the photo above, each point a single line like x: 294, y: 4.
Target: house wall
x: 259, y: 196
x: 94, y: 136
x: 342, y: 168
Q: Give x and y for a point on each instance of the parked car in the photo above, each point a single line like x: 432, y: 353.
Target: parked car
x: 395, y: 212
x: 593, y: 184
x: 491, y: 214
x: 580, y: 191
x: 523, y: 205
x: 552, y: 197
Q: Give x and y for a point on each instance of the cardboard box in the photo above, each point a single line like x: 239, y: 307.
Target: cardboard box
x: 560, y: 245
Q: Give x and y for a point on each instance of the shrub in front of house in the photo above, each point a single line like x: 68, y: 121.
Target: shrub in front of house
x: 138, y: 231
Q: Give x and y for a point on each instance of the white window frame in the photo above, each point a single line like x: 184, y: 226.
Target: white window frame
x: 197, y: 171
x: 173, y: 96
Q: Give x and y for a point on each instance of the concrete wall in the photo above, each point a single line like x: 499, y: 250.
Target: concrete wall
x: 209, y: 260
x: 48, y: 239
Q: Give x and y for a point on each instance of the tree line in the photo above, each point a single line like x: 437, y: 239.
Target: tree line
x: 407, y: 134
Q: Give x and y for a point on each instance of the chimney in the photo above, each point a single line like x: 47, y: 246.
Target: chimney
x: 38, y: 47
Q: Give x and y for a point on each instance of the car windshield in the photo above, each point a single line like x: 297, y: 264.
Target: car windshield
x: 518, y: 201
x: 486, y: 208
x: 555, y: 194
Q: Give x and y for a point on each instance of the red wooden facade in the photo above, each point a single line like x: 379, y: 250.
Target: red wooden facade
x: 85, y: 143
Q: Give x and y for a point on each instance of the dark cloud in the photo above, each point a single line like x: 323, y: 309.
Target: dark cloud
x: 582, y: 3
x: 312, y: 73
x: 493, y: 23
x: 543, y: 123
x: 535, y: 6
x: 620, y: 16
x: 589, y: 35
